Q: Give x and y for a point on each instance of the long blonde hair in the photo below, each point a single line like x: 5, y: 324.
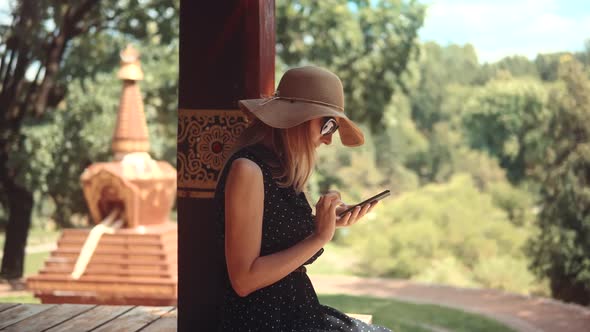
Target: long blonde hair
x: 293, y: 146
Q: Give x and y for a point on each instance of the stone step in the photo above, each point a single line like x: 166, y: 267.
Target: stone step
x: 65, y: 272
x: 110, y: 261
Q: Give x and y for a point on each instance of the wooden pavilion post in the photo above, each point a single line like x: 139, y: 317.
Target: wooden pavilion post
x: 227, y: 53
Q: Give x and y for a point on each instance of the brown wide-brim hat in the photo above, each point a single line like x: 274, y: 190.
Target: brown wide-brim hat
x: 304, y: 94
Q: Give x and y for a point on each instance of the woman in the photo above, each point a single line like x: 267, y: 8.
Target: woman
x: 267, y: 226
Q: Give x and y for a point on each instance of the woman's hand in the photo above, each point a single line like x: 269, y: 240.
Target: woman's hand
x: 353, y: 216
x: 342, y: 207
x: 325, y: 218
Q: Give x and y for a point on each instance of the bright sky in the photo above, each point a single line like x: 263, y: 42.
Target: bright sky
x: 497, y: 28
x: 4, y: 11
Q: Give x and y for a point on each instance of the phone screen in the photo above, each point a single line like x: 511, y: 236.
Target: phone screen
x: 375, y: 198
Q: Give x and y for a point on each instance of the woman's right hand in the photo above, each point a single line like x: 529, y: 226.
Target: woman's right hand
x: 325, y: 216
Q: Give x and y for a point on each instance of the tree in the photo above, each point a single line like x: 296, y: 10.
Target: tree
x: 561, y: 251
x: 446, y: 232
x: 367, y: 43
x: 584, y: 57
x: 440, y: 67
x: 502, y: 118
x: 443, y: 76
x: 516, y: 65
x: 60, y: 144
x: 547, y: 65
x: 41, y: 39
x: 36, y: 39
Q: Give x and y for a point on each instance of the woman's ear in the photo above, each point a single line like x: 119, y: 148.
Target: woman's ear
x: 250, y: 118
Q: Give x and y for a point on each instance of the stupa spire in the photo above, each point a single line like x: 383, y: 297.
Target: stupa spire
x: 131, y: 133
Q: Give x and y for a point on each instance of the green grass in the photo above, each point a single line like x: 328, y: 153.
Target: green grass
x: 34, y: 262
x: 408, y: 317
x: 28, y: 298
x: 36, y: 236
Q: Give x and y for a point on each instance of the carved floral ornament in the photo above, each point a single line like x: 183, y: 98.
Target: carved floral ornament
x: 205, y: 138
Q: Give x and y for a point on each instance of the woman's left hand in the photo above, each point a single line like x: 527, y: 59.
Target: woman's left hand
x: 353, y: 216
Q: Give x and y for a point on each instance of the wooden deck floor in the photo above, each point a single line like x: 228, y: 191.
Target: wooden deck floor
x: 79, y: 317
x: 97, y: 318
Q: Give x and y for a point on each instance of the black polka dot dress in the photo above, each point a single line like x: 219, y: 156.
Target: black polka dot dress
x: 290, y: 304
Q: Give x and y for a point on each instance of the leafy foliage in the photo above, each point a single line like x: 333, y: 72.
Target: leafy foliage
x: 61, y: 144
x: 368, y: 43
x: 503, y: 117
x: 438, y: 68
x: 45, y: 47
x: 450, y: 233
x: 561, y: 251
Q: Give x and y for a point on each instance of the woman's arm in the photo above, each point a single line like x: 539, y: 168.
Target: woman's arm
x: 244, y: 206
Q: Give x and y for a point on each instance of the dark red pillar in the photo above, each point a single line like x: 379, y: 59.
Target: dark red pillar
x: 227, y: 52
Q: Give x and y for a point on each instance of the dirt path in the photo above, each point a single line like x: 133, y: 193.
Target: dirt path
x: 522, y: 313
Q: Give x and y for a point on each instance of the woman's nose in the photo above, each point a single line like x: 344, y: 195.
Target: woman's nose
x: 327, y: 139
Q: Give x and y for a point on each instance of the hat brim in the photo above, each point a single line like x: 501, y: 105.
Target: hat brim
x: 281, y: 113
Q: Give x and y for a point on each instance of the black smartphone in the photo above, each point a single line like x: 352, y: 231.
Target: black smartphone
x: 375, y: 198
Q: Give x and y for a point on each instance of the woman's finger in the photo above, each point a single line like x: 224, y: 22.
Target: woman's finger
x: 343, y: 221
x: 372, y: 206
x: 334, y: 192
x: 334, y: 204
x: 320, y: 202
x: 365, y: 210
x: 331, y: 197
x: 354, y: 216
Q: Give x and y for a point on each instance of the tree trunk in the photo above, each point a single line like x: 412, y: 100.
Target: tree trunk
x: 567, y: 289
x: 14, y: 108
x: 20, y: 205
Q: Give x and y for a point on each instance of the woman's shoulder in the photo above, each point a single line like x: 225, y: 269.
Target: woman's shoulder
x: 245, y: 155
x: 244, y: 178
x: 241, y: 166
x: 244, y: 162
x: 259, y: 154
x: 245, y: 167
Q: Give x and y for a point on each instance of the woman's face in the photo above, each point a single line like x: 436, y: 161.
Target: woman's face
x: 316, y: 135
